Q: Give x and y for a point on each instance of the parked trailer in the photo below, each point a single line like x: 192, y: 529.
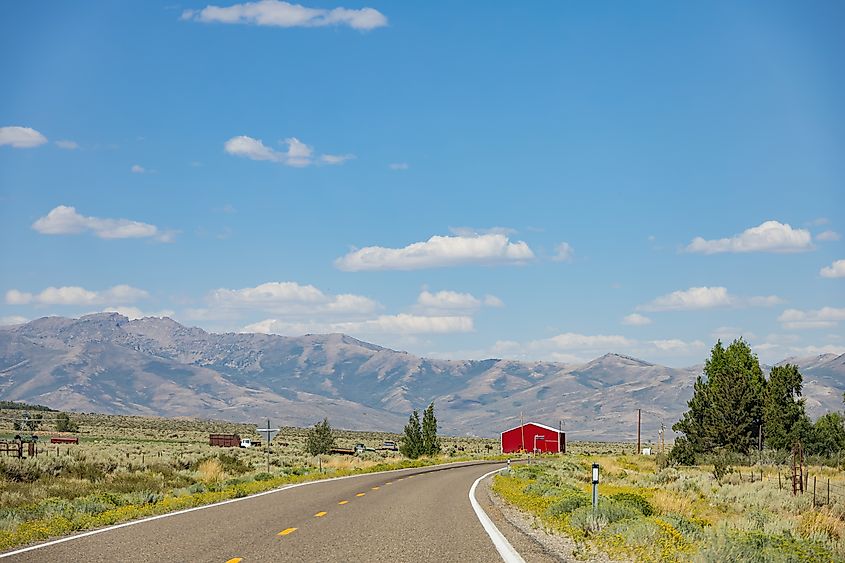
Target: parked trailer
x: 224, y: 440
x: 64, y: 440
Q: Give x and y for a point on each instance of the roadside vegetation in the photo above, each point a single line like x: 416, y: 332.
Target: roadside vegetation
x: 127, y: 467
x: 724, y: 492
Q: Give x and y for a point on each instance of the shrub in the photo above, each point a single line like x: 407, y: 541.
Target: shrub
x: 211, y: 471
x: 635, y: 501
x: 608, y: 511
x: 682, y: 452
x: 568, y: 504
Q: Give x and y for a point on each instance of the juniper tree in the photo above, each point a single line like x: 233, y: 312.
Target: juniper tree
x: 320, y: 439
x: 783, y: 408
x: 430, y: 442
x: 412, y: 441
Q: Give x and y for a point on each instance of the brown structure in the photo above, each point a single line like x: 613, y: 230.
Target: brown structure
x: 225, y: 440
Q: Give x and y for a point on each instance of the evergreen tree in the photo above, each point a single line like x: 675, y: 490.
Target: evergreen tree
x: 65, y: 424
x: 783, y: 407
x: 411, y: 446
x: 726, y: 409
x: 430, y: 441
x: 828, y: 435
x: 320, y: 439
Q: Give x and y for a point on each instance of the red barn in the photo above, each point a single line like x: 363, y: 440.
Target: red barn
x: 531, y: 436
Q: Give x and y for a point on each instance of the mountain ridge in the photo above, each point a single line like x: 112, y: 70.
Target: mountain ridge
x: 157, y: 366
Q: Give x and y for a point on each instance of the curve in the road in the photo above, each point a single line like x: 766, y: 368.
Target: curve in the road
x: 419, y: 518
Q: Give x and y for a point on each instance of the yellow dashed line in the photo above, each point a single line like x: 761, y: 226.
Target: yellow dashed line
x: 320, y: 514
x: 375, y: 488
x: 287, y: 531
x: 234, y: 560
x: 343, y: 502
x: 388, y: 483
x: 360, y: 494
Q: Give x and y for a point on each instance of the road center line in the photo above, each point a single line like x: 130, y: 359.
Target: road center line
x: 503, y: 546
x: 375, y: 488
x: 287, y: 531
x: 343, y: 502
x: 320, y: 514
x: 360, y: 494
x: 234, y: 560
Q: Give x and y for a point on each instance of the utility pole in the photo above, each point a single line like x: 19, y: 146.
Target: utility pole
x: 639, y: 425
x: 662, y: 437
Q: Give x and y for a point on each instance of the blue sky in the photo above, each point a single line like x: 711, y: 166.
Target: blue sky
x: 534, y: 181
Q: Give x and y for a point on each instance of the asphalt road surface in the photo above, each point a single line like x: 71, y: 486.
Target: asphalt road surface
x: 410, y: 515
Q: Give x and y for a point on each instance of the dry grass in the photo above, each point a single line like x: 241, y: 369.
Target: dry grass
x: 211, y: 472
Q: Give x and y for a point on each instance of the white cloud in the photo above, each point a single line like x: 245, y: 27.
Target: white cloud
x: 563, y: 252
x: 826, y: 317
x: 291, y: 299
x: 67, y: 145
x: 282, y: 14
x: 438, y: 251
x: 575, y: 341
x: 835, y: 270
x: 635, y: 319
x: 137, y: 169
x: 385, y: 324
x: 75, y: 295
x: 135, y: 313
x: 678, y: 346
x: 696, y: 298
x: 335, y: 159
x: 21, y: 137
x: 398, y: 166
x: 770, y: 236
x: 453, y: 302
x: 64, y: 220
x: 828, y: 236
x: 298, y: 153
x: 13, y: 320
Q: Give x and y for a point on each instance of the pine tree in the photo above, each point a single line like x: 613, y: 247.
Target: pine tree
x: 320, y: 439
x: 783, y: 407
x: 737, y: 388
x: 430, y: 441
x: 411, y: 446
x: 65, y: 424
x: 726, y: 409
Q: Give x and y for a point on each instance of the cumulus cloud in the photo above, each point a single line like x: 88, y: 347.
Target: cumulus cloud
x: 826, y: 317
x: 275, y: 13
x: 678, y: 346
x: 563, y: 252
x: 67, y: 145
x: 75, y: 295
x: 453, y: 301
x: 770, y: 236
x: 21, y: 137
x: 133, y: 313
x: 636, y: 319
x: 13, y: 320
x: 402, y: 323
x: 137, y: 169
x: 706, y: 298
x: 828, y: 236
x: 64, y: 220
x: 291, y: 299
x: 398, y: 166
x: 437, y: 252
x: 298, y: 154
x: 835, y: 270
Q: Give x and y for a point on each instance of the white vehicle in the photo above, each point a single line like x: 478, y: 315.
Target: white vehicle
x: 246, y: 443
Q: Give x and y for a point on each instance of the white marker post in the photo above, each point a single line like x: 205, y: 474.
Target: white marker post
x: 595, y: 486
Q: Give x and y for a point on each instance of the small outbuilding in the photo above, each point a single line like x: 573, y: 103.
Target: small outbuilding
x: 533, y: 436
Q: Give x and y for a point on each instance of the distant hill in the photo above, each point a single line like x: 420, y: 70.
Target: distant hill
x: 107, y: 363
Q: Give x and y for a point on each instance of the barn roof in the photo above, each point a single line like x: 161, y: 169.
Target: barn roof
x: 535, y: 424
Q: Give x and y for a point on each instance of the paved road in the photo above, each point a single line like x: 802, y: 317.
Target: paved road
x: 410, y: 515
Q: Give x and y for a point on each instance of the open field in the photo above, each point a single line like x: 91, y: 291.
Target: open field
x: 650, y: 512
x: 127, y: 467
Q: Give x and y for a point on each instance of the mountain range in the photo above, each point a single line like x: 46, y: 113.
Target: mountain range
x: 156, y: 366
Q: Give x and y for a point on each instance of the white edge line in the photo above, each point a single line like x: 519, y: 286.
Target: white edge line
x: 221, y: 503
x: 503, y: 546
